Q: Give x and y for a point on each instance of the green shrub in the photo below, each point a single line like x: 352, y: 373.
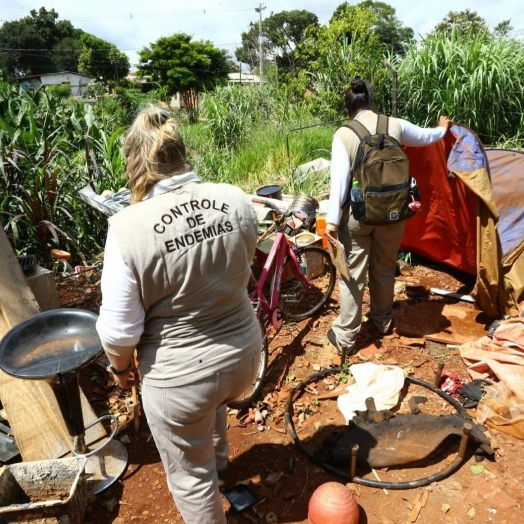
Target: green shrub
x: 60, y: 91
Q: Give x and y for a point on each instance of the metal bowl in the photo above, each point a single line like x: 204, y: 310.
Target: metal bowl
x: 50, y: 343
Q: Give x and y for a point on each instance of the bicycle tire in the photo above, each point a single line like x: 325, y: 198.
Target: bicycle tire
x: 251, y: 393
x: 298, y: 302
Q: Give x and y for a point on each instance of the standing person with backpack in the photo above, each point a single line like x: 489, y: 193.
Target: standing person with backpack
x: 371, y: 195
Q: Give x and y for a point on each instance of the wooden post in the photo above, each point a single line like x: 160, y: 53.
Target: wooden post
x: 394, y: 93
x: 31, y: 407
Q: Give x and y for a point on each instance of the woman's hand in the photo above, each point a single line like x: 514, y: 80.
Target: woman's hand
x: 444, y: 121
x: 128, y: 379
x: 332, y: 237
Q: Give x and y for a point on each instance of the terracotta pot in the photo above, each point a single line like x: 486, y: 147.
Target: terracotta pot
x: 333, y: 503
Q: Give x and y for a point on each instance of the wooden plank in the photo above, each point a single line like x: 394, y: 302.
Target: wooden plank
x: 31, y: 407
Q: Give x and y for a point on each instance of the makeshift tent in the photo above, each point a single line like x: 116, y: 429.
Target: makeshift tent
x: 472, y: 215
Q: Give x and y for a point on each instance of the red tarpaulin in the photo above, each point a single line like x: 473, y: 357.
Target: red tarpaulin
x: 445, y: 230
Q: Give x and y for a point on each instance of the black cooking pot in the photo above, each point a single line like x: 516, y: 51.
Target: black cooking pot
x: 270, y: 192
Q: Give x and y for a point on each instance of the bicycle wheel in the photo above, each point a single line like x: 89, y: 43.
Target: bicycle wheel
x: 253, y: 390
x: 297, y: 301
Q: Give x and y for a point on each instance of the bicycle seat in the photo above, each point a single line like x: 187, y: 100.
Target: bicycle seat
x: 59, y: 254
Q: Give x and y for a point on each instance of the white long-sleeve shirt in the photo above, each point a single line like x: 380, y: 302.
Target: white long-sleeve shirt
x: 412, y: 135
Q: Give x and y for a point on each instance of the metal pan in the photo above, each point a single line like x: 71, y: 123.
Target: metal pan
x: 50, y: 343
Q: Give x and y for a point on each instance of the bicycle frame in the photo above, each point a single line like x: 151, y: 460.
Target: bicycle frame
x: 275, y: 259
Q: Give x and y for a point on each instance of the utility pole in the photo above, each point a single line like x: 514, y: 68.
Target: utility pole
x: 259, y: 10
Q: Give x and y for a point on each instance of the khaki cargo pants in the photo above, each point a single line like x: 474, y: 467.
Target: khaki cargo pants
x: 372, y: 252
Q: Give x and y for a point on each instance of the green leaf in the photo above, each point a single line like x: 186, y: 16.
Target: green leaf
x: 476, y: 469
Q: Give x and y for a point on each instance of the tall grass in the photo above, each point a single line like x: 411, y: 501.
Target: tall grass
x: 230, y: 112
x: 476, y: 79
x: 247, y: 136
x: 244, y: 140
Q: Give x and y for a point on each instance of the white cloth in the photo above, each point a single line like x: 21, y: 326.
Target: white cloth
x: 412, y: 135
x: 383, y: 383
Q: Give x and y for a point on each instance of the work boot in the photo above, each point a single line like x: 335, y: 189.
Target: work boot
x: 333, y: 340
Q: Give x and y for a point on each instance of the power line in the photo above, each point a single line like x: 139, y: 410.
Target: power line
x: 131, y: 16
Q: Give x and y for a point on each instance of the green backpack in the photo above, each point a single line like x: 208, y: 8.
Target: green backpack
x: 381, y: 169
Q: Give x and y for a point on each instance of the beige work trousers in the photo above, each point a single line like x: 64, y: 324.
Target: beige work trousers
x: 372, y: 252
x: 189, y: 426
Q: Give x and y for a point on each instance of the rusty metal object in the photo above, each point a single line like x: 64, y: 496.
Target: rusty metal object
x: 372, y: 415
x: 402, y: 440
x: 462, y: 419
x: 466, y: 432
x: 413, y: 403
x: 438, y: 374
x: 353, y: 462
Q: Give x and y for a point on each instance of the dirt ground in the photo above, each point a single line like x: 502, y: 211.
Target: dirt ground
x: 265, y: 458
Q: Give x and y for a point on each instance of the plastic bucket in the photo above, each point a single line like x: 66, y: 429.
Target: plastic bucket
x: 320, y: 227
x: 270, y: 192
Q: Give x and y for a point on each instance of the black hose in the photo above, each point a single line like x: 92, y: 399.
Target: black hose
x: 360, y: 480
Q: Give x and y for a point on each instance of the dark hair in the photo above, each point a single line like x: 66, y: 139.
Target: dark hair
x: 359, y: 96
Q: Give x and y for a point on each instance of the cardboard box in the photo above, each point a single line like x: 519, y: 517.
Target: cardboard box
x: 313, y: 263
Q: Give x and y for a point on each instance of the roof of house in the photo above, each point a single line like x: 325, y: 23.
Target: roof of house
x: 33, y: 77
x: 243, y: 78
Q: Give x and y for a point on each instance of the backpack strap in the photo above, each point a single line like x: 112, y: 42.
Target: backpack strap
x: 382, y: 125
x: 362, y: 133
x: 359, y: 129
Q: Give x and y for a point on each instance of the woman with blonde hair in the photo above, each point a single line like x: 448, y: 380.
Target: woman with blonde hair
x: 176, y: 267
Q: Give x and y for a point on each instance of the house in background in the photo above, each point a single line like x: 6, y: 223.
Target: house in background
x: 243, y: 78
x: 144, y: 83
x: 76, y: 81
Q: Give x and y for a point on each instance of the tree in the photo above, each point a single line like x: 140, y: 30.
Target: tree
x: 248, y: 53
x: 27, y: 44
x: 286, y: 30
x: 101, y: 60
x: 16, y: 40
x: 282, y: 33
x: 336, y: 53
x: 502, y: 29
x: 388, y: 28
x: 66, y: 54
x: 40, y: 43
x: 185, y: 67
x: 464, y: 21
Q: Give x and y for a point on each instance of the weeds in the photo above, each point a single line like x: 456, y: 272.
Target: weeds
x: 345, y: 373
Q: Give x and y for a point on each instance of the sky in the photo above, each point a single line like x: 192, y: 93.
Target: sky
x: 134, y: 24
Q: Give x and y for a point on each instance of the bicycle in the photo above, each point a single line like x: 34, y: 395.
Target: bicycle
x: 302, y: 281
